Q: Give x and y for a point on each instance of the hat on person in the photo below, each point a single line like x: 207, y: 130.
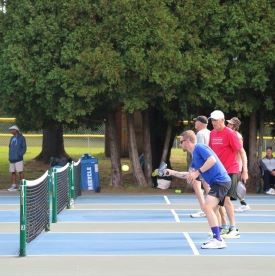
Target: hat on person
x: 234, y: 121
x: 216, y: 115
x: 14, y: 127
x: 202, y: 119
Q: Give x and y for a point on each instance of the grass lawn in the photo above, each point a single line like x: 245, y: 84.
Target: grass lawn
x: 34, y: 169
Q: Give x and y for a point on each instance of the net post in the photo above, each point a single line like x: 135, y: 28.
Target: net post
x: 48, y: 226
x: 71, y: 185
x: 23, y: 219
x: 54, y: 195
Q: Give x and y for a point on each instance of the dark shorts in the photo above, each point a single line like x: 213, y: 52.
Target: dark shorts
x: 232, y: 193
x: 220, y: 190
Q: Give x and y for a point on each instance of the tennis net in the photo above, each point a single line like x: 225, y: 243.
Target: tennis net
x: 59, y: 186
x: 61, y: 190
x: 34, y: 210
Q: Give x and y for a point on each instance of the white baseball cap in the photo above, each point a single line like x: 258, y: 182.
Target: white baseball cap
x: 216, y: 115
x: 14, y: 127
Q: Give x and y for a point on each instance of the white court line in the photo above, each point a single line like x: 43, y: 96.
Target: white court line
x: 167, y: 200
x: 177, y: 219
x: 191, y: 244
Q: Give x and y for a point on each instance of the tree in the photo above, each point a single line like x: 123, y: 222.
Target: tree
x: 32, y: 37
x: 125, y: 55
x: 249, y: 48
x: 66, y: 62
x: 34, y: 56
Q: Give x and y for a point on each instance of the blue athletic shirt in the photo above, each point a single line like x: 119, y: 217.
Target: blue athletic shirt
x: 217, y: 173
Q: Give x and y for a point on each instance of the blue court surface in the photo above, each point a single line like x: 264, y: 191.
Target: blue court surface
x: 113, y: 215
x: 159, y: 199
x: 141, y: 199
x: 139, y: 242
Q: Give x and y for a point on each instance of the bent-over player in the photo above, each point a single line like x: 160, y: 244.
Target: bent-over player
x: 206, y: 163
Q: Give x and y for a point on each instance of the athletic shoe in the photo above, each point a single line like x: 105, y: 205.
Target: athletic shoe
x: 224, y: 231
x: 242, y: 208
x: 271, y: 191
x: 12, y: 188
x: 232, y: 234
x: 213, y: 244
x: 199, y: 214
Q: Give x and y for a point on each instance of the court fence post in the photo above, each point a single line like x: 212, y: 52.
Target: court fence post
x: 23, y: 219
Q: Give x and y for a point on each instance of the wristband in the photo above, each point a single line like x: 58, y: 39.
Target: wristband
x: 199, y: 170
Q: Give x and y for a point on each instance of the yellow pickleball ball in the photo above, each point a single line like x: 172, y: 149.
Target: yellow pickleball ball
x: 125, y: 168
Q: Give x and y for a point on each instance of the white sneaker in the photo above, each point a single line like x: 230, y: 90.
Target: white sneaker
x: 271, y: 191
x: 199, y: 214
x: 12, y: 188
x: 242, y: 208
x: 213, y: 244
x: 232, y: 234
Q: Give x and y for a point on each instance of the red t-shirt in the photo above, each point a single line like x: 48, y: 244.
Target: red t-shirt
x: 226, y: 145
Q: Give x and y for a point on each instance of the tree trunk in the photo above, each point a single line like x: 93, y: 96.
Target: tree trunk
x: 259, y: 180
x: 116, y: 179
x: 261, y: 138
x: 158, y: 128
x: 133, y: 152
x: 52, y: 144
x: 166, y: 144
x: 253, y: 166
x: 147, y: 148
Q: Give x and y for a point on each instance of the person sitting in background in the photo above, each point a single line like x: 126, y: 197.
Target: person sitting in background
x: 17, y: 149
x: 268, y: 171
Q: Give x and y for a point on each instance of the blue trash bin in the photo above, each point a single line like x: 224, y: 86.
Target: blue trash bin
x: 89, y: 173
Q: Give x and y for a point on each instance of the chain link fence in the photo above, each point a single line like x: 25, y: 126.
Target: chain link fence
x: 88, y: 138
x: 81, y: 138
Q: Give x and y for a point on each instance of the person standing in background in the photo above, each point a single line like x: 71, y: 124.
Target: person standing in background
x: 234, y: 123
x: 17, y: 149
x: 202, y: 135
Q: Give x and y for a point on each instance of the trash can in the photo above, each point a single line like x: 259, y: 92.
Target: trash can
x: 89, y: 173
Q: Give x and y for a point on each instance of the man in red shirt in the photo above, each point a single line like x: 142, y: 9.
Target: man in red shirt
x: 225, y: 143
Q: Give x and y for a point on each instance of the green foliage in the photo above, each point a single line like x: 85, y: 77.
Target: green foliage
x: 68, y: 61
x: 249, y: 47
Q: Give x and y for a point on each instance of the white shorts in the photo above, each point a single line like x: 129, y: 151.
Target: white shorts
x: 16, y: 167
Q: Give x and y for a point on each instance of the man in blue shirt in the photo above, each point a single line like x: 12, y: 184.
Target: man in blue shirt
x: 17, y: 149
x: 206, y: 163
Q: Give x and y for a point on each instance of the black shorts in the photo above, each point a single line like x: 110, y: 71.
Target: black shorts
x: 220, y: 190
